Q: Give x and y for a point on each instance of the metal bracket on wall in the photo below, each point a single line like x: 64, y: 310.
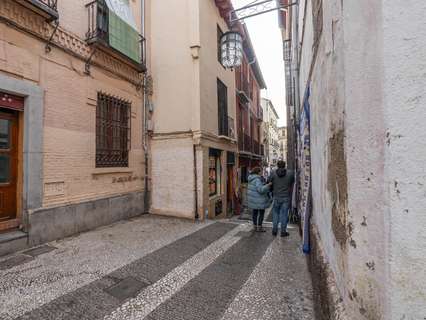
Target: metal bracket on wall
x: 48, y: 47
x: 89, y: 62
x: 258, y: 7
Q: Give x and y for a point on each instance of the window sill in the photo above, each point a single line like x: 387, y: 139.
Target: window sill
x: 104, y: 171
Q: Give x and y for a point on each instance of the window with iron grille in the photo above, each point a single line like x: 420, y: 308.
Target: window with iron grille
x: 112, y: 131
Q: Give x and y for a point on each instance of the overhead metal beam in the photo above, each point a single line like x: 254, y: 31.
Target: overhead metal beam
x: 256, y: 9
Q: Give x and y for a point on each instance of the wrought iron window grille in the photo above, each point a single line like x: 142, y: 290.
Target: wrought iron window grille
x: 113, y: 129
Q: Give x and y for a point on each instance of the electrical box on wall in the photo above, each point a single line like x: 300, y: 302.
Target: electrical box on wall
x: 150, y: 106
x: 150, y: 125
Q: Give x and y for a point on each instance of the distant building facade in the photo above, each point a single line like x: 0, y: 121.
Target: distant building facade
x: 271, y: 132
x: 282, y: 141
x: 249, y: 82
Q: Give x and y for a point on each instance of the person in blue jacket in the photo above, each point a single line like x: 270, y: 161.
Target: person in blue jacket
x: 257, y: 198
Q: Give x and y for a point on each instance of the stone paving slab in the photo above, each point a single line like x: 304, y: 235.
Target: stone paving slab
x: 39, y: 251
x: 14, y: 261
x: 126, y: 288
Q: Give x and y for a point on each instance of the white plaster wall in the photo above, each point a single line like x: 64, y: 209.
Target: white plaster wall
x: 306, y: 42
x: 173, y: 177
x: 173, y: 30
x: 369, y: 82
x: 364, y: 145
x: 211, y: 69
x: 404, y: 32
x: 346, y: 100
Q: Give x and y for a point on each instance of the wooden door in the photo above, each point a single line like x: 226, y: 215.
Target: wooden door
x: 8, y: 169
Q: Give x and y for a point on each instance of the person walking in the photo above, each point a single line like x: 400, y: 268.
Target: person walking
x: 257, y: 198
x: 282, y: 181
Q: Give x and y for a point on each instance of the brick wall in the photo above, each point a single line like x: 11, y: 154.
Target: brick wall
x: 69, y: 172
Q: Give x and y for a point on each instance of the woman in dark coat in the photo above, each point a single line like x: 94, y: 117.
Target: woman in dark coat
x: 257, y: 198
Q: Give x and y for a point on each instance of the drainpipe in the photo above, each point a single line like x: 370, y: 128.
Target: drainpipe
x: 196, y: 184
x: 145, y: 111
x: 297, y: 84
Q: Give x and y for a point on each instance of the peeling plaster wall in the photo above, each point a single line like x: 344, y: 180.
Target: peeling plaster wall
x: 365, y: 156
x: 404, y: 32
x: 368, y: 155
x: 173, y: 177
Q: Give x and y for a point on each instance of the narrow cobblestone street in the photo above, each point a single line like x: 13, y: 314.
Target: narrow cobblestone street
x: 160, y: 268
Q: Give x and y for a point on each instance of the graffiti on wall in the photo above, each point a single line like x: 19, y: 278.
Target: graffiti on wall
x: 304, y: 148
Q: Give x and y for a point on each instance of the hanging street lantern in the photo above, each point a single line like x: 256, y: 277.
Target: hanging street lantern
x: 231, y: 47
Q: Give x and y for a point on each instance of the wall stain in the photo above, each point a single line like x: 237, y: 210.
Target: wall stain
x: 371, y: 265
x: 338, y: 186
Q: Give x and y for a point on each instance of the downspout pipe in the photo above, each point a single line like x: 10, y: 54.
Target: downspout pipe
x: 196, y: 200
x: 145, y: 111
x: 297, y: 83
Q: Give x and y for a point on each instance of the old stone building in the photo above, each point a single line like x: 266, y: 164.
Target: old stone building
x: 271, y: 133
x: 282, y: 141
x: 358, y: 106
x: 71, y: 117
x: 251, y: 150
x: 194, y: 142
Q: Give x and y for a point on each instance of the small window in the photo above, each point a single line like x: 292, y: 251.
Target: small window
x: 112, y: 132
x: 219, y: 51
x: 223, y: 121
x: 214, y: 172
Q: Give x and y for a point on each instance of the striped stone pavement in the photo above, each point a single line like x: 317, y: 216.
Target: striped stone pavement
x: 159, y: 268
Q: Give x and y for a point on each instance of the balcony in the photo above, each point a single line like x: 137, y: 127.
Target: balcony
x: 256, y: 147
x: 227, y: 127
x: 243, y: 86
x: 231, y: 128
x: 248, y: 145
x: 46, y: 8
x: 110, y: 33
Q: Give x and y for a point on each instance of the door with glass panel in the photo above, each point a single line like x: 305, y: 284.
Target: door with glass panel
x: 8, y: 168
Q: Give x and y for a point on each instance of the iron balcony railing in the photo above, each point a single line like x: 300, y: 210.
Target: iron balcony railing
x: 243, y: 86
x: 227, y: 127
x: 240, y: 140
x: 46, y: 8
x: 231, y: 128
x: 247, y: 144
x: 99, y: 33
x: 255, y: 147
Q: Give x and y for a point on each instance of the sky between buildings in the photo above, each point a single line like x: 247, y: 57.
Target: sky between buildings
x: 266, y: 37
